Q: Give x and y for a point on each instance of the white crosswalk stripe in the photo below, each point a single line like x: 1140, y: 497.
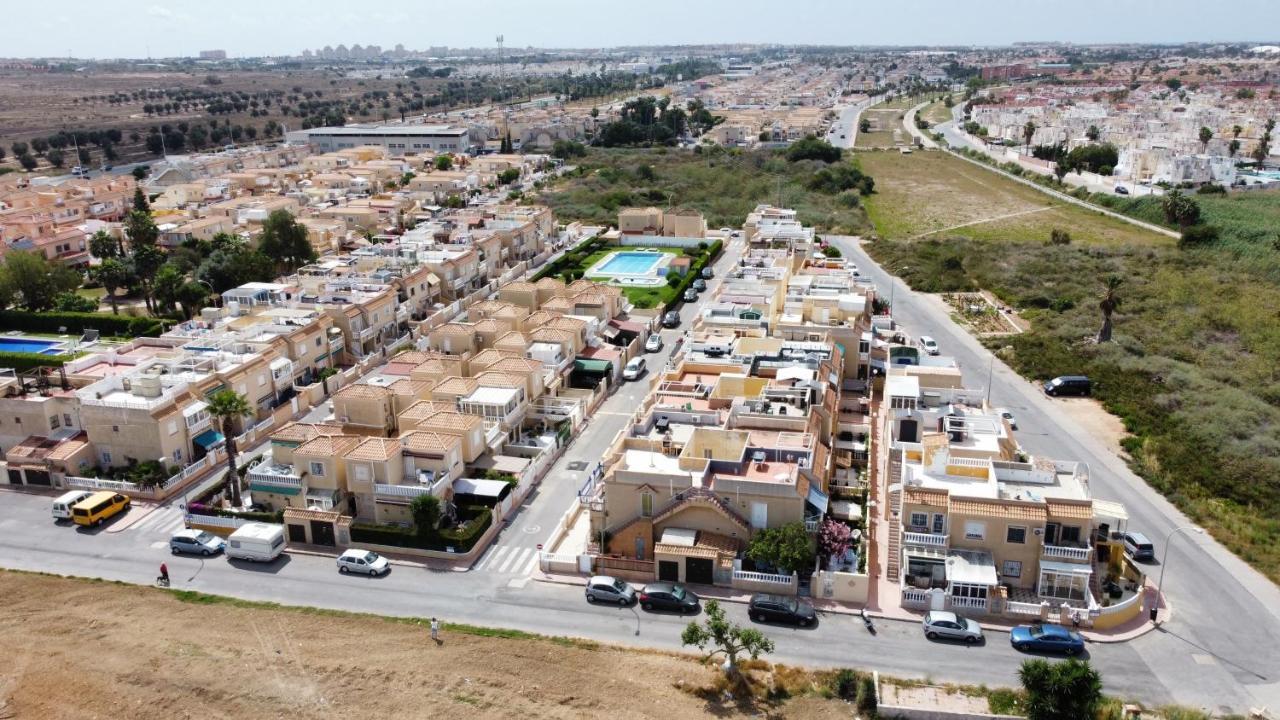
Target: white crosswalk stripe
x: 495, y: 554
x: 529, y: 565
x: 161, y: 520
x: 514, y: 559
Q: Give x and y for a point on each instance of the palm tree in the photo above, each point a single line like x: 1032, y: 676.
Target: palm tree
x: 227, y: 406
x: 1108, y: 304
x: 1028, y: 132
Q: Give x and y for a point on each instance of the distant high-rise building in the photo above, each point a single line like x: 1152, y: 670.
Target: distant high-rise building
x: 213, y: 54
x: 341, y: 52
x: 306, y: 54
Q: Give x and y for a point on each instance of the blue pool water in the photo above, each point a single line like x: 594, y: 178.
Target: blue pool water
x: 26, y: 345
x: 631, y: 263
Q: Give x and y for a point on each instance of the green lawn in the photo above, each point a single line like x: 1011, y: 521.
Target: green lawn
x: 640, y: 297
x: 1193, y: 369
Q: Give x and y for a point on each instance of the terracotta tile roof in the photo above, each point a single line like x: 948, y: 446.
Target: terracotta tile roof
x: 1082, y: 510
x: 518, y: 365
x: 452, y: 420
x: 432, y: 367
x: 706, y: 545
x: 456, y: 386
x: 302, y: 432
x: 540, y: 318
x: 490, y: 356
x: 69, y: 447
x: 1010, y: 510
x: 491, y: 325
x: 512, y: 339
x: 327, y: 445
x: 423, y: 409
x: 493, y: 378
x: 547, y: 334
x: 570, y: 324
x: 426, y: 441
x: 405, y: 386
x: 362, y: 390
x: 519, y: 286
x: 417, y: 356
x: 454, y: 329
x: 925, y: 496
x: 552, y: 283
x: 377, y: 449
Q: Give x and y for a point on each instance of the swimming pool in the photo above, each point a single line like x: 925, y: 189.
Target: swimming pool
x: 630, y: 263
x: 632, y: 267
x: 28, y: 345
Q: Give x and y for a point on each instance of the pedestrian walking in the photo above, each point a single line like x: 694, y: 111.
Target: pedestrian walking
x: 164, y: 575
x: 435, y: 630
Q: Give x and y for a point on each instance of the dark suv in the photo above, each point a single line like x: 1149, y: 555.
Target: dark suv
x: 780, y: 608
x: 1068, y: 385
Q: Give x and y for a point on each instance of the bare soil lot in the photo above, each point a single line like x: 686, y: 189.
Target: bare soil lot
x: 84, y: 649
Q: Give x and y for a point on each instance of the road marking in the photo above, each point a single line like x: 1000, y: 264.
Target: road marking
x: 494, y: 554
x: 529, y: 566
x: 514, y: 560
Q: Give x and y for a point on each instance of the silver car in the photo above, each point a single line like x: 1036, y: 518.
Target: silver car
x: 365, y: 562
x: 951, y: 626
x: 602, y: 588
x: 196, y: 542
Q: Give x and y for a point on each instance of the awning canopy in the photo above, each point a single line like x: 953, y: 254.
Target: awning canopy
x: 209, y: 439
x: 818, y: 499
x: 592, y: 366
x: 1061, y: 568
x: 277, y: 489
x: 482, y: 488
x: 795, y: 373
x: 845, y: 510
x: 971, y: 568
x: 1111, y: 510
x: 195, y: 408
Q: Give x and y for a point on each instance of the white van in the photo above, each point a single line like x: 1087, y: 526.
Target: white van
x: 62, y: 504
x: 259, y: 542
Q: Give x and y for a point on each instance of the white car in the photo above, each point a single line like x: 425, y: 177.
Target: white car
x: 1004, y: 413
x: 634, y: 369
x: 950, y: 625
x: 929, y: 345
x: 654, y: 343
x: 362, y: 561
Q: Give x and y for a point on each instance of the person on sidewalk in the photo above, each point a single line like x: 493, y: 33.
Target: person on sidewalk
x: 435, y: 631
x: 164, y: 575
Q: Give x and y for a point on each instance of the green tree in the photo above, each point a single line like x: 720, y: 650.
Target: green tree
x: 1068, y: 690
x: 145, y: 262
x: 103, y: 246
x: 1236, y: 130
x: 19, y: 148
x: 813, y: 148
x: 139, y: 173
x: 112, y: 274
x: 168, y: 280
x: 140, y: 200
x: 1206, y: 134
x: 425, y: 510
x: 1180, y: 209
x: 191, y: 297
x: 27, y: 162
x: 1233, y: 147
x: 68, y: 301
x: 1028, y: 132
x: 284, y: 239
x: 864, y: 125
x: 505, y: 146
x: 788, y: 548
x: 1093, y: 133
x: 508, y: 176
x: 34, y: 281
x: 141, y: 229
x: 55, y: 158
x: 227, y: 407
x: 1061, y: 169
x: 1173, y: 84
x: 724, y: 637
x: 444, y: 162
x: 233, y: 266
x: 1108, y: 304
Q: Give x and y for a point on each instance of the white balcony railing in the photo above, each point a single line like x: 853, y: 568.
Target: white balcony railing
x: 968, y: 603
x: 930, y: 539
x: 914, y: 597
x: 1068, y: 553
x: 407, y: 492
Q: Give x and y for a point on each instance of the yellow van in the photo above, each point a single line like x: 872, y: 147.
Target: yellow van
x: 96, y: 508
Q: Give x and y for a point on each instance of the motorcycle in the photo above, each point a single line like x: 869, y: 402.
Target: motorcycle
x: 866, y: 621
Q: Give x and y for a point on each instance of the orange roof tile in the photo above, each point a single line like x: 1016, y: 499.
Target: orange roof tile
x: 377, y: 449
x: 1011, y: 510
x: 327, y: 445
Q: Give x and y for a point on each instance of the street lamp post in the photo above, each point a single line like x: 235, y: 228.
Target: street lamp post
x: 1164, y: 564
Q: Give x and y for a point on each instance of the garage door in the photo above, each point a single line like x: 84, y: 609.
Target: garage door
x: 698, y: 570
x: 668, y: 571
x: 38, y: 477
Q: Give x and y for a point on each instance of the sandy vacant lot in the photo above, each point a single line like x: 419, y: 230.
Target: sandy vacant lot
x: 83, y: 649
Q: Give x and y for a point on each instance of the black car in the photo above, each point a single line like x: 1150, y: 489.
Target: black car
x: 699, y: 284
x: 780, y: 608
x: 1068, y: 385
x: 668, y: 596
x: 671, y: 319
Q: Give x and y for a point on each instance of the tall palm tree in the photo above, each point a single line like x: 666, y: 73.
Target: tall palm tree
x: 1108, y: 304
x: 227, y: 406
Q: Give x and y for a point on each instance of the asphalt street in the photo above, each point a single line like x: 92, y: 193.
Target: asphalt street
x: 1222, y: 646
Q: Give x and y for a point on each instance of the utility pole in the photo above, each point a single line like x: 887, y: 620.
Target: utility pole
x: 991, y: 366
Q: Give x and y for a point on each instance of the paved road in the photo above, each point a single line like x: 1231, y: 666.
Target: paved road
x: 909, y: 122
x: 1222, y: 646
x: 844, y: 131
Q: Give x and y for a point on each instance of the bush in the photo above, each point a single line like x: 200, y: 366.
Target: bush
x: 844, y: 684
x: 1198, y: 235
x: 77, y: 322
x: 21, y: 361
x: 867, y: 696
x: 1059, y: 237
x: 461, y: 540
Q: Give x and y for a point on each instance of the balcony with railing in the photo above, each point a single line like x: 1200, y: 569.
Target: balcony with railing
x: 925, y: 539
x: 1070, y: 554
x: 275, y: 475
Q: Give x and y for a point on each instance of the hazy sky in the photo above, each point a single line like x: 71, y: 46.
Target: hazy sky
x: 127, y: 28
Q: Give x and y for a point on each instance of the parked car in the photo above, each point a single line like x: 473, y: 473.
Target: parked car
x: 1122, y: 190
x: 366, y: 562
x: 634, y: 369
x: 668, y: 596
x: 1068, y: 385
x: 1139, y: 547
x: 602, y: 588
x: 699, y: 284
x: 929, y: 345
x: 780, y: 608
x: 98, y: 508
x: 690, y: 295
x: 950, y: 625
x: 63, y: 503
x: 1046, y: 637
x: 1004, y: 413
x: 654, y: 343
x: 708, y: 273
x: 671, y: 319
x: 196, y: 542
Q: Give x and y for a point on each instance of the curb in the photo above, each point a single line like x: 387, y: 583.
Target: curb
x: 390, y: 560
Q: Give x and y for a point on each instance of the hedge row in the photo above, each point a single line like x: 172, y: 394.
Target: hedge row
x: 75, y: 323
x: 695, y: 271
x: 570, y: 259
x: 461, y: 541
x: 22, y: 362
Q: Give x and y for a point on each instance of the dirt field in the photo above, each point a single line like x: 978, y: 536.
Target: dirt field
x: 883, y: 123
x: 83, y: 649
x: 929, y: 193
x: 1099, y: 423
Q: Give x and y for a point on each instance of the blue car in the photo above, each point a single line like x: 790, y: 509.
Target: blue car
x: 1046, y: 637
